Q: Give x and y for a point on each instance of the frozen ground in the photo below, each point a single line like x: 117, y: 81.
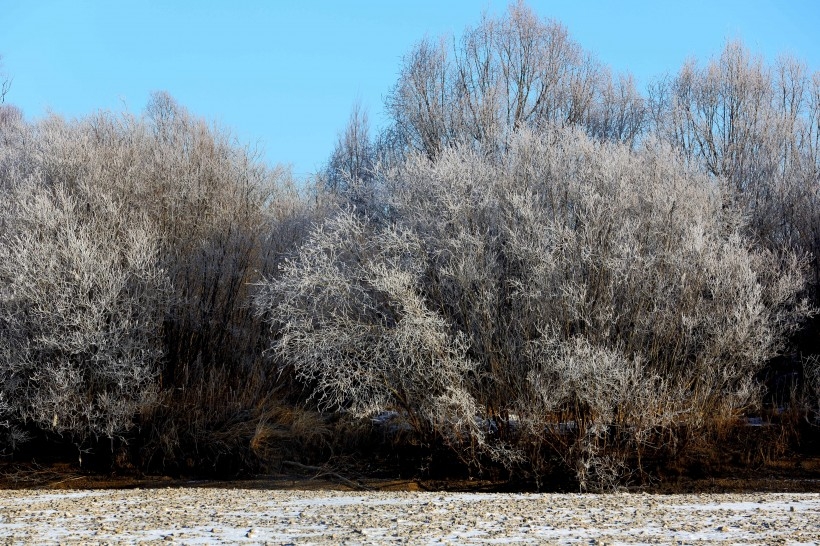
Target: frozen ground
x: 254, y: 516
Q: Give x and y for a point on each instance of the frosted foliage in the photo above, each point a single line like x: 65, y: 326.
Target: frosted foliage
x: 81, y: 306
x: 581, y: 297
x: 131, y: 246
x: 356, y: 327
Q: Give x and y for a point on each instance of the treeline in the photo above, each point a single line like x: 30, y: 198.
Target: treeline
x: 534, y: 269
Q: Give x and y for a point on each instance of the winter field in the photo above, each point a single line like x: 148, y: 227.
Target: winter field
x: 253, y: 516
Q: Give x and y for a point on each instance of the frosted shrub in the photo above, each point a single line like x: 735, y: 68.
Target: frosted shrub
x: 356, y: 327
x: 201, y: 214
x: 606, y: 301
x: 81, y: 307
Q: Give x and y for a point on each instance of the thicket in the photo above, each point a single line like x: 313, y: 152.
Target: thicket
x: 572, y: 303
x: 533, y: 267
x: 129, y: 247
x: 552, y: 205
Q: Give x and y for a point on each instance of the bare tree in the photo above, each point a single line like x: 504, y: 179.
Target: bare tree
x: 620, y: 114
x: 351, y: 169
x: 420, y: 103
x: 721, y: 115
x: 505, y: 74
x: 5, y: 83
x: 745, y: 122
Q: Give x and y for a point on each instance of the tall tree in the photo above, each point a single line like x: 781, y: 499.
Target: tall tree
x: 352, y: 161
x: 756, y: 128
x: 505, y: 74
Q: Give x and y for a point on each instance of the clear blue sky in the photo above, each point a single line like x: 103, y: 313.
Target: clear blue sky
x: 283, y: 75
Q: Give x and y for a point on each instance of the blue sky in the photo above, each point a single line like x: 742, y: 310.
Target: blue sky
x: 283, y: 75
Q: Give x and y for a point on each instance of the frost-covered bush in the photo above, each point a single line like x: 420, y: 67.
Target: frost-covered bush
x: 82, y: 300
x: 93, y: 195
x: 355, y: 325
x: 603, y: 298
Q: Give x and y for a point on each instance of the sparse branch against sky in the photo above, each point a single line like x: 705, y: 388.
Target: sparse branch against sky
x: 284, y: 75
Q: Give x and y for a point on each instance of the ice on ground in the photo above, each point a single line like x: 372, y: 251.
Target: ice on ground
x: 222, y: 516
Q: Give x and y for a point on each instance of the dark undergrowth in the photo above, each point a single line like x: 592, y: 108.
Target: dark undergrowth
x: 768, y: 457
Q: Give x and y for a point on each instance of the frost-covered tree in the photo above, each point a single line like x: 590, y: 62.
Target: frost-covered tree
x: 505, y: 74
x: 5, y: 83
x: 755, y: 127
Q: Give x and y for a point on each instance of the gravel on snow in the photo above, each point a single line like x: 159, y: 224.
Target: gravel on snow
x: 254, y: 516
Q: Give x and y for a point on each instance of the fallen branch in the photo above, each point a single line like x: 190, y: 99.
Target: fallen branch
x: 324, y: 473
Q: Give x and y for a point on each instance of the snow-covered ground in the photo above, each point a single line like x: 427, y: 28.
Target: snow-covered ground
x: 254, y: 516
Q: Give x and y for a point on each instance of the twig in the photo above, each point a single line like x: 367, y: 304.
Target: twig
x: 66, y: 480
